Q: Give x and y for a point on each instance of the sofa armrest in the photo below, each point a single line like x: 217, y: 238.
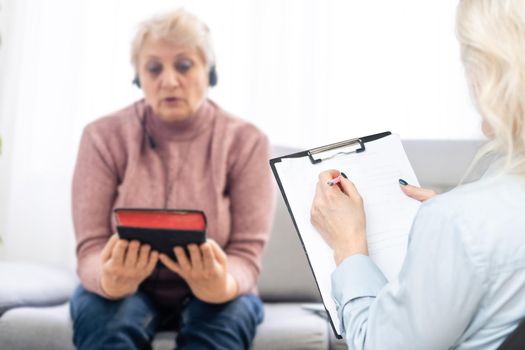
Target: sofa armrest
x: 25, y: 284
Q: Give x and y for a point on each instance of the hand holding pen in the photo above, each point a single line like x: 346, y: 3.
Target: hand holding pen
x: 338, y: 215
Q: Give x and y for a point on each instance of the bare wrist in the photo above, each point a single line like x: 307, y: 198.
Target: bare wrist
x: 352, y: 247
x: 111, y: 294
x: 229, y: 288
x: 233, y: 287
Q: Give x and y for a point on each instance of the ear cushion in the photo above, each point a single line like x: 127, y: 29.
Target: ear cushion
x: 136, y: 81
x: 212, y: 76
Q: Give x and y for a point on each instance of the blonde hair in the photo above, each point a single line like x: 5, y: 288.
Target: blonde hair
x: 492, y: 38
x: 178, y: 27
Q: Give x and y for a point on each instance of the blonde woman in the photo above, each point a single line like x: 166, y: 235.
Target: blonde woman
x: 173, y: 149
x: 462, y: 285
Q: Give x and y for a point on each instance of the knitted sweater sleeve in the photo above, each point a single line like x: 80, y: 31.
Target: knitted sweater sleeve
x: 94, y: 189
x: 252, y: 205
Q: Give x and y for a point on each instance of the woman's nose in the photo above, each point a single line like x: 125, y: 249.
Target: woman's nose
x: 170, y: 79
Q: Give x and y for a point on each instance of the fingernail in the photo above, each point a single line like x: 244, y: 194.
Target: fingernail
x: 344, y: 175
x: 403, y: 182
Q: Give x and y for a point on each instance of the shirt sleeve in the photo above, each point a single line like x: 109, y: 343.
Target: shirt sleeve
x: 252, y: 198
x: 93, y: 193
x: 431, y: 303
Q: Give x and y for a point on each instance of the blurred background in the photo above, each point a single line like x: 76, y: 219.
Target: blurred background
x: 307, y: 72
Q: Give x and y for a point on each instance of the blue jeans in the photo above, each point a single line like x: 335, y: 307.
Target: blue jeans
x: 131, y: 323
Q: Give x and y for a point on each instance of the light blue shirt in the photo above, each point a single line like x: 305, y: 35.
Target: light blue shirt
x: 462, y: 284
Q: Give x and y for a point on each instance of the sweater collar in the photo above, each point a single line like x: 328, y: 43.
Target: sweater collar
x: 183, y: 130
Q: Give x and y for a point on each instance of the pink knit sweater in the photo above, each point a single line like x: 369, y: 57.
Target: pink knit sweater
x: 210, y: 161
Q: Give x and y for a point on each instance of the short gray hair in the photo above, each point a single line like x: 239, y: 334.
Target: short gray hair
x: 179, y: 27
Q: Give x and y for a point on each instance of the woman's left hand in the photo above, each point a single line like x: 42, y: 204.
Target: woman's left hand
x: 338, y: 214
x: 205, y: 271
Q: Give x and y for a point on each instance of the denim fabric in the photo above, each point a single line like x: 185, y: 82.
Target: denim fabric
x: 220, y: 326
x: 131, y: 323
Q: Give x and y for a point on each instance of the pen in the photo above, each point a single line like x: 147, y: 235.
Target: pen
x: 334, y: 181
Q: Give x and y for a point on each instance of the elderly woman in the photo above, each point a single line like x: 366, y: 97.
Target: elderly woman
x: 462, y: 285
x: 174, y: 149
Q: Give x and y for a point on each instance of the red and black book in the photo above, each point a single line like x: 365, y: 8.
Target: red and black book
x: 162, y: 229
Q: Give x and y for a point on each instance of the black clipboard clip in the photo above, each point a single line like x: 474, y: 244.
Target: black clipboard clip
x: 336, y: 149
x: 317, y: 155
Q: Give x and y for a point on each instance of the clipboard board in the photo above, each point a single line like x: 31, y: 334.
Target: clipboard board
x: 374, y: 163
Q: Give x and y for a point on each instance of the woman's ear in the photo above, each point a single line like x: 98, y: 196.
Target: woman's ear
x: 487, y: 129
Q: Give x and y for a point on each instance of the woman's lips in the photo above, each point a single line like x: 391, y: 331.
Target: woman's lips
x: 171, y: 100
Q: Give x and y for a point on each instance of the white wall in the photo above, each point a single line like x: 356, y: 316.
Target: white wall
x: 306, y: 72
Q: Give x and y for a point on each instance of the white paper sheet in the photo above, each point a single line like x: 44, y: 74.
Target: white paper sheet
x: 389, y: 212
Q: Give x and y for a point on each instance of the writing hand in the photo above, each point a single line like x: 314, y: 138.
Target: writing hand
x: 338, y: 214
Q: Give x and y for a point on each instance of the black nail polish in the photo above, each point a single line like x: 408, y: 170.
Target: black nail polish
x: 403, y: 182
x: 344, y: 175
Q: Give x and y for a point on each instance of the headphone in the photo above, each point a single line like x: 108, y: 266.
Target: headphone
x: 212, y: 78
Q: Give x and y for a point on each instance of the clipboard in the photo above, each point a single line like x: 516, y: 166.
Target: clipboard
x: 368, y: 161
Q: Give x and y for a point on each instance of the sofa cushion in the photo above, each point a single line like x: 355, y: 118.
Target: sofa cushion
x: 286, y: 326
x: 285, y: 272
x: 430, y: 158
x: 44, y: 328
x: 26, y: 284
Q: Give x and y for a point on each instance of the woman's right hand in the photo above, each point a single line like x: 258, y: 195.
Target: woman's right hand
x: 418, y: 193
x: 124, y: 266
